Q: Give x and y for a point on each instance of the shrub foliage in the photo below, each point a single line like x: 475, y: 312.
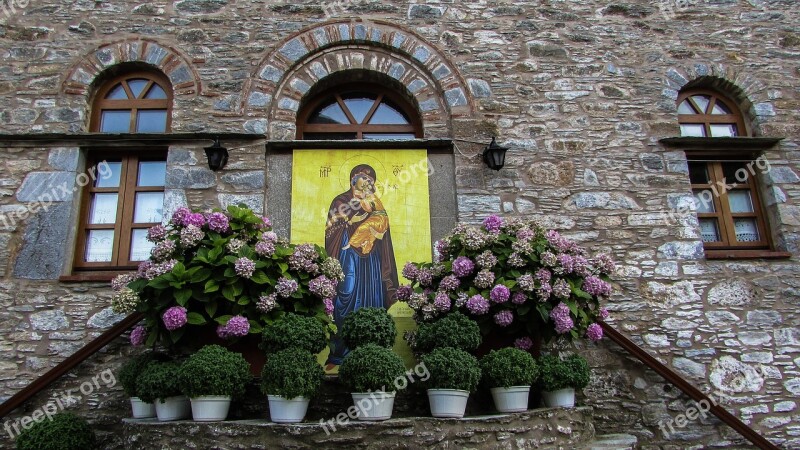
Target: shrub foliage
x: 159, y: 380
x: 508, y: 367
x: 65, y: 431
x: 451, y: 368
x: 555, y: 373
x: 214, y: 370
x: 369, y: 326
x: 129, y: 373
x: 371, y: 367
x: 292, y: 330
x: 291, y: 373
x: 453, y: 330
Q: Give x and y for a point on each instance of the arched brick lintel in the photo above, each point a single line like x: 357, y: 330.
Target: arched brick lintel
x: 750, y: 93
x: 286, y: 74
x: 82, y: 76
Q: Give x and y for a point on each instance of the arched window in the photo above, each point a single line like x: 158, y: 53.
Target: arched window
x: 358, y: 112
x: 723, y: 181
x: 136, y: 102
x: 704, y: 113
x: 126, y: 194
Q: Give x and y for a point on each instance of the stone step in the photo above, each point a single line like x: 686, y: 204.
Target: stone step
x: 547, y: 428
x: 613, y: 441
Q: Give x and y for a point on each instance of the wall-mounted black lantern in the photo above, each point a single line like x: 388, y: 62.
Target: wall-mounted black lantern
x: 494, y: 156
x: 217, y: 156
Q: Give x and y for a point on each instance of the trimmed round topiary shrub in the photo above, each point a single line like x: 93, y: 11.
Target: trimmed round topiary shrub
x: 369, y: 326
x: 555, y: 373
x: 129, y: 373
x: 292, y: 330
x: 65, y: 431
x: 214, y: 370
x: 371, y: 367
x: 453, y: 330
x: 508, y: 367
x: 291, y: 373
x: 159, y: 380
x: 451, y: 368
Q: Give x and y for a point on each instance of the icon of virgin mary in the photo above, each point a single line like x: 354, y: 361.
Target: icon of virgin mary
x: 358, y: 235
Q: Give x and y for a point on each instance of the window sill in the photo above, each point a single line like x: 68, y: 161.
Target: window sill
x: 747, y: 254
x: 81, y: 277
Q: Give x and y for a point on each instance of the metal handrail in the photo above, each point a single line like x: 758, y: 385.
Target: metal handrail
x: 68, y: 364
x: 687, y: 388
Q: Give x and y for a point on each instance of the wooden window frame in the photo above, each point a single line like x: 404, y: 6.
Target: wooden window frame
x: 124, y: 225
x: 101, y: 103
x: 705, y: 119
x: 382, y: 93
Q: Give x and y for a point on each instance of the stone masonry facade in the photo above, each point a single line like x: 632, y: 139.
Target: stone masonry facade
x: 582, y: 91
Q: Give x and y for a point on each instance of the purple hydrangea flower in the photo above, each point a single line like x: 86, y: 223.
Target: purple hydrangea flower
x: 174, y: 318
x: 404, y: 293
x: 519, y: 298
x: 604, y: 263
x: 478, y: 305
x: 441, y: 249
x: 179, y: 216
x: 195, y: 219
x: 486, y: 260
x: 425, y: 277
x: 285, y: 287
x: 595, y: 286
x: 237, y: 326
x: 442, y: 302
x: 461, y: 299
x: 523, y: 343
x: 191, y: 236
x: 267, y: 303
x: 544, y: 292
x: 156, y: 233
x: 265, y: 248
x: 322, y: 287
x: 561, y: 289
x: 484, y: 279
x: 504, y: 318
x: 604, y: 313
x: 543, y: 275
x: 516, y: 260
x: 266, y: 223
x: 121, y: 281
x: 244, y: 267
x: 156, y: 270
x: 594, y: 332
x: 138, y: 335
x: 269, y: 236
x: 548, y: 259
x: 525, y: 234
x: 560, y: 316
x: 449, y: 283
x: 580, y: 266
x: 163, y: 250
x: 328, y: 302
x: 218, y: 222
x: 493, y: 223
x: 305, y: 258
x: 410, y: 271
x: 463, y: 266
x: 144, y: 266
x: 500, y: 294
x: 566, y: 262
x: 526, y: 282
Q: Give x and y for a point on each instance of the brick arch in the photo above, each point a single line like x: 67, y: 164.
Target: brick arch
x: 81, y: 77
x: 747, y: 91
x: 287, y: 74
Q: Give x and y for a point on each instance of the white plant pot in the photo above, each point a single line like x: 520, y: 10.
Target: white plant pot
x: 562, y: 398
x: 511, y: 399
x: 287, y: 410
x: 376, y: 405
x: 448, y: 402
x: 173, y: 408
x: 210, y: 408
x: 142, y: 410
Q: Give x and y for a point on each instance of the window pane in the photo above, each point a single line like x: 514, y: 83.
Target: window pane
x: 332, y: 113
x: 693, y: 130
x: 704, y: 201
x: 388, y: 136
x: 98, y: 245
x: 108, y: 174
x: 359, y: 106
x: 152, y: 173
x: 740, y: 201
x: 156, y: 93
x: 720, y: 108
x: 746, y: 230
x: 731, y: 170
x: 136, y: 86
x: 709, y: 231
x: 149, y: 207
x: 140, y: 246
x: 387, y: 115
x: 723, y: 130
x: 151, y: 121
x: 702, y: 102
x: 698, y: 172
x: 115, y: 121
x: 103, y: 209
x: 686, y: 108
x: 118, y: 93
x: 329, y: 136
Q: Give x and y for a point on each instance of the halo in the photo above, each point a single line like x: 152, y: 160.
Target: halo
x: 359, y: 158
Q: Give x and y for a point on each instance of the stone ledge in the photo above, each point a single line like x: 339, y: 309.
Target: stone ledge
x: 548, y: 428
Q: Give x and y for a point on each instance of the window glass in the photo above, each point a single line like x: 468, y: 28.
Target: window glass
x: 117, y: 93
x: 709, y: 230
x: 740, y: 201
x: 693, y: 130
x: 99, y: 245
x: 704, y: 200
x: 331, y: 113
x: 686, y: 108
x: 151, y: 121
x: 698, y: 172
x: 156, y: 93
x: 149, y: 207
x: 387, y: 115
x: 723, y: 130
x: 359, y: 107
x: 140, y: 246
x: 702, y: 102
x: 388, y: 136
x: 103, y: 208
x: 152, y: 173
x: 137, y: 86
x: 108, y: 174
x: 115, y: 121
x: 746, y: 230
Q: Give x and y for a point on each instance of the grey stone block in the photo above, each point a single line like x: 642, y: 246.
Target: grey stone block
x: 479, y: 88
x: 246, y: 181
x: 253, y: 201
x: 294, y: 50
x: 46, y: 187
x: 64, y: 158
x: 200, y: 6
x: 42, y: 255
x: 104, y: 319
x: 50, y: 320
x: 190, y: 178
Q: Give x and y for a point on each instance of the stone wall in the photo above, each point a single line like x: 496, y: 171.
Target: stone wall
x: 581, y: 90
